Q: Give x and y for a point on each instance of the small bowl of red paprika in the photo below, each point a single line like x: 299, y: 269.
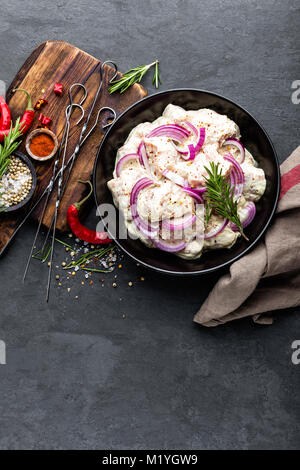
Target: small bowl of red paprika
x: 41, y: 144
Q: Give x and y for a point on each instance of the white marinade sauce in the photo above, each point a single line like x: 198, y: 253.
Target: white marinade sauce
x: 165, y: 199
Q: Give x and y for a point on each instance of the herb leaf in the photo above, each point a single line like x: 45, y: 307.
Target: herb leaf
x: 9, y: 145
x: 208, y: 212
x: 219, y: 196
x: 135, y: 75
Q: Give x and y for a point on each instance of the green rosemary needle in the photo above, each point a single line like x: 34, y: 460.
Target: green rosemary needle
x: 9, y: 145
x: 133, y: 76
x: 219, y: 196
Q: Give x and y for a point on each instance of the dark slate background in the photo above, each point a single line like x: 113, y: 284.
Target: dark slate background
x: 78, y: 374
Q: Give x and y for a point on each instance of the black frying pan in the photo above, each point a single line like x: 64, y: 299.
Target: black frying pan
x: 255, y: 139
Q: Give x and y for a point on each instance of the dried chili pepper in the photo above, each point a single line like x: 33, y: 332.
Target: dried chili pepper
x: 28, y: 116
x: 78, y: 229
x: 5, y: 119
x: 40, y: 103
x: 44, y: 120
x: 58, y: 89
x: 26, y: 120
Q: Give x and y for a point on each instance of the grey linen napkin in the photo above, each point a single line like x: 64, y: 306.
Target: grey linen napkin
x: 268, y: 278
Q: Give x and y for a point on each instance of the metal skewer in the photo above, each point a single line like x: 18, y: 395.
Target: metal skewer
x: 84, y: 128
x: 59, y: 189
x: 83, y: 131
x: 60, y: 174
x: 37, y: 202
x: 55, y: 168
x: 75, y: 154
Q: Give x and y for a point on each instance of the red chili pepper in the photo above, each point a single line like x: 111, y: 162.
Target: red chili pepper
x: 38, y: 105
x: 5, y: 119
x: 58, y: 89
x: 28, y: 116
x: 78, y: 229
x: 26, y: 120
x: 45, y: 121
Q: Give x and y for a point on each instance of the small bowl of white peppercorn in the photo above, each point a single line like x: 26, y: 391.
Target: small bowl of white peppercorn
x: 18, y: 183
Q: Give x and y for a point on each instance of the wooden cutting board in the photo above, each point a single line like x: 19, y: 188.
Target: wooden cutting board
x: 51, y: 62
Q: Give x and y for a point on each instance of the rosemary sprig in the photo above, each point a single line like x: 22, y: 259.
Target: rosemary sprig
x: 94, y: 270
x: 9, y: 145
x: 135, y: 75
x: 208, y: 212
x: 220, y: 198
x: 156, y: 81
x: 63, y: 243
x: 42, y: 256
x: 98, y: 253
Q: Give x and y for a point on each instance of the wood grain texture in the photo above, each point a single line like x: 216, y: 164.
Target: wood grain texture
x: 51, y: 62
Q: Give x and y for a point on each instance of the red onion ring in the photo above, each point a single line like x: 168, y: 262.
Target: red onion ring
x: 237, y: 143
x: 192, y: 127
x: 237, y: 178
x: 146, y: 228
x: 191, y: 152
x: 122, y: 162
x: 170, y: 247
x: 143, y: 159
x: 180, y: 181
x: 251, y: 212
x: 193, y: 149
x: 201, y: 139
x: 173, y: 131
x: 179, y: 223
x: 215, y: 232
x: 193, y: 193
x: 197, y: 190
x: 194, y: 131
x: 179, y: 133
